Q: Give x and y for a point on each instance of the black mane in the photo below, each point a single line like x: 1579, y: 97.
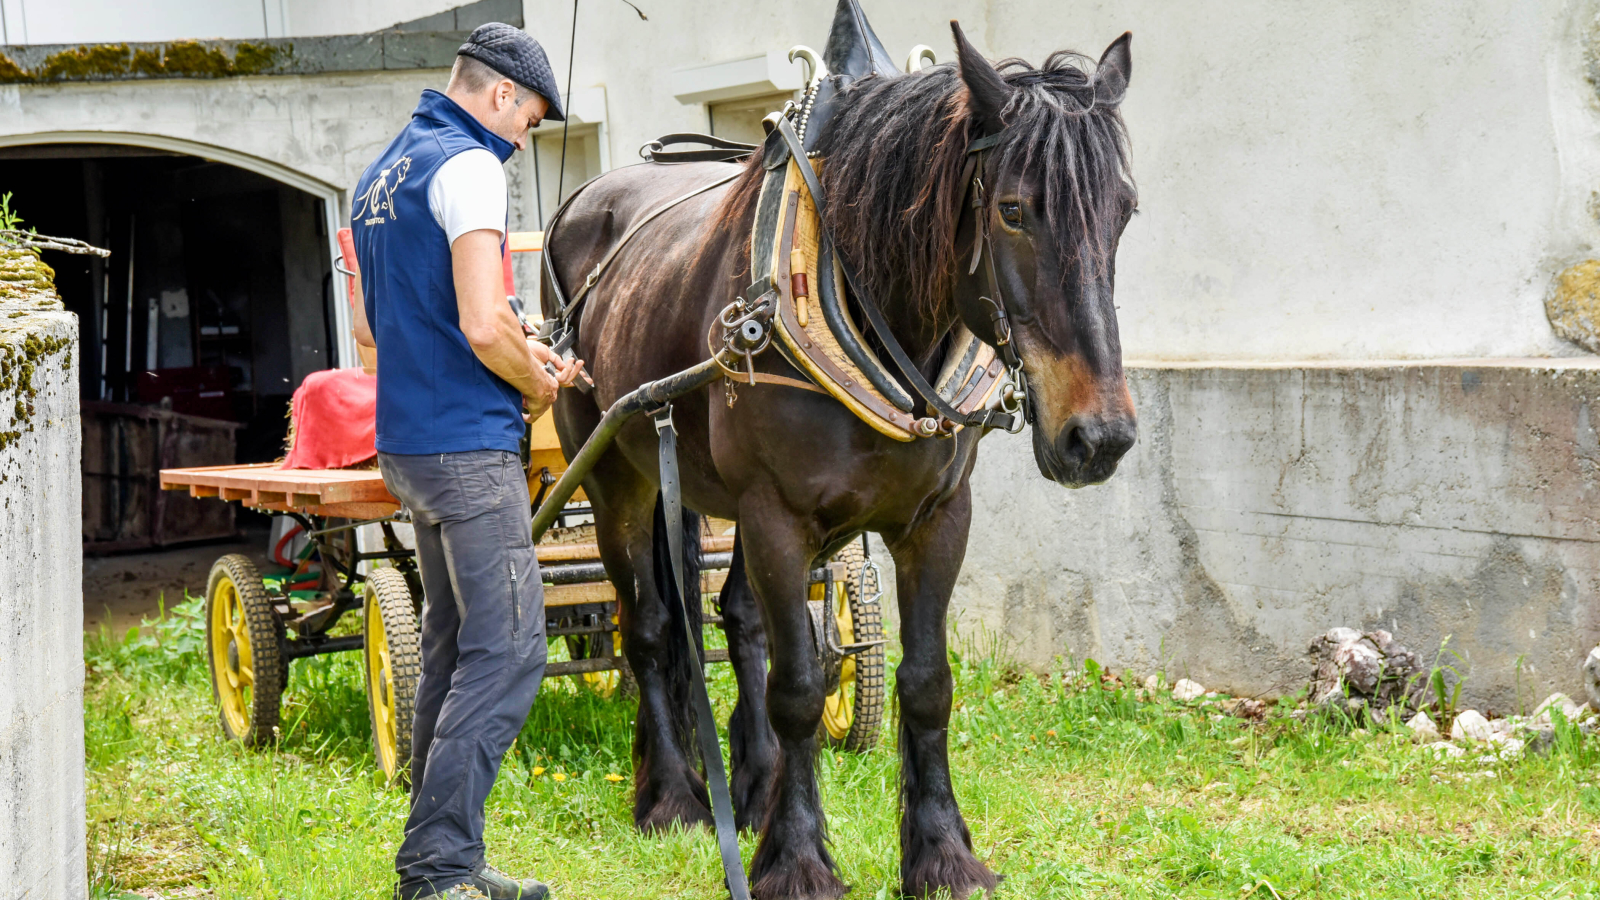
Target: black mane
x: 892, y: 157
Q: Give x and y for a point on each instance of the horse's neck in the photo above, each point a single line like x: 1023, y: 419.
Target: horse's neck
x: 918, y: 335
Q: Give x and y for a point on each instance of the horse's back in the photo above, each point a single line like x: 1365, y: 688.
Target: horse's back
x: 648, y: 309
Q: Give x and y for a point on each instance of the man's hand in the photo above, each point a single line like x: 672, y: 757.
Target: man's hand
x: 564, y: 371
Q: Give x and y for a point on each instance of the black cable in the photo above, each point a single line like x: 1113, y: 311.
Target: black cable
x: 572, y: 49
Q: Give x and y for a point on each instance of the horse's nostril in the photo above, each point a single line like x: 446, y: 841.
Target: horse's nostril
x: 1080, y: 442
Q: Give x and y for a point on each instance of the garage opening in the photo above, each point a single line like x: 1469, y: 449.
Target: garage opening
x: 215, y: 304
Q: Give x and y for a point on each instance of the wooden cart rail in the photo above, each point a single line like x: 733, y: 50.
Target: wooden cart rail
x: 360, y: 494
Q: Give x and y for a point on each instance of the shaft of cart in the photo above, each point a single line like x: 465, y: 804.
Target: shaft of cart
x: 649, y: 396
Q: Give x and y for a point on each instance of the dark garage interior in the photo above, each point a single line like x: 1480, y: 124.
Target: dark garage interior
x: 215, y: 304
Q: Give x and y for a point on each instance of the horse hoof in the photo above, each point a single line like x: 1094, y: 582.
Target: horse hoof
x: 948, y: 872
x: 677, y: 811
x: 798, y: 879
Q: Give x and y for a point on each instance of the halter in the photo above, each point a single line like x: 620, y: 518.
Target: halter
x: 1016, y: 401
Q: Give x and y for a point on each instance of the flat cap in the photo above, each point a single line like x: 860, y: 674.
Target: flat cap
x: 511, y: 52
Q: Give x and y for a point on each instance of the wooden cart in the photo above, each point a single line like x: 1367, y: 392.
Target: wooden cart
x: 257, y: 623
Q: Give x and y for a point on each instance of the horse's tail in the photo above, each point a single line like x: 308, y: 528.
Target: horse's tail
x: 679, y: 675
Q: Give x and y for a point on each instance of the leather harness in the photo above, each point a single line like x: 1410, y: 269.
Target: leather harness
x: 559, y: 331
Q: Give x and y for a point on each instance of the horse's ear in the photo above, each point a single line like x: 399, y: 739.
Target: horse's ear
x: 987, y: 92
x: 1116, y: 67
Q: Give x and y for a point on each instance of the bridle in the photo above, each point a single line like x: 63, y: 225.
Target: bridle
x: 1016, y: 402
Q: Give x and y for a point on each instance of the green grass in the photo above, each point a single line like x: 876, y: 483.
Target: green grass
x: 1072, y: 788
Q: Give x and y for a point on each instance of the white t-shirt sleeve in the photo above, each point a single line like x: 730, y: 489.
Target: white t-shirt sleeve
x: 468, y: 193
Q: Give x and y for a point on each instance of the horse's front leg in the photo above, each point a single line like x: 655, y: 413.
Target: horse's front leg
x: 935, y: 845
x: 792, y: 861
x: 752, y: 745
x: 668, y: 789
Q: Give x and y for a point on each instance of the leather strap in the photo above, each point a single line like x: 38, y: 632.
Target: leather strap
x: 989, y: 418
x: 571, y: 306
x: 722, y: 149
x: 705, y: 720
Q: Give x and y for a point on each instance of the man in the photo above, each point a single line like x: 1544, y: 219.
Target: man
x: 455, y: 374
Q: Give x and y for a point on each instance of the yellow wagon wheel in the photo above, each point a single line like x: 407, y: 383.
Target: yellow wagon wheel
x: 245, y: 648
x: 392, y: 656
x: 595, y: 646
x: 852, y: 716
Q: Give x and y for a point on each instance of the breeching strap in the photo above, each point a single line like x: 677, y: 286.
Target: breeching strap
x: 705, y: 721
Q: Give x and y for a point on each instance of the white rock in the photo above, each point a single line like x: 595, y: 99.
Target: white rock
x: 1153, y: 683
x: 1500, y: 726
x: 1470, y: 725
x: 1508, y: 747
x: 1541, y: 713
x: 1446, y: 750
x: 1423, y: 730
x: 1186, y: 690
x: 1591, y: 677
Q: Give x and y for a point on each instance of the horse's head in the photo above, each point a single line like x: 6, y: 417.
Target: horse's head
x: 1056, y: 195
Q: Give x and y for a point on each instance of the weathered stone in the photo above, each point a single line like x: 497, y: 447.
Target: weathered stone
x: 1423, y: 729
x: 1470, y: 725
x: 1573, y: 305
x: 1591, y: 677
x: 1447, y: 750
x: 1540, y: 740
x: 1369, y: 666
x: 42, y: 848
x: 1542, y: 712
x: 1186, y: 690
x: 1153, y: 683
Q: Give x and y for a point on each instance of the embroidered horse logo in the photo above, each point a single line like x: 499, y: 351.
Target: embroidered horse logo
x: 379, y: 198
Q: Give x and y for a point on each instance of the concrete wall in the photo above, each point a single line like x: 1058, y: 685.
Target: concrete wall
x: 1351, y: 180
x: 41, y: 586
x: 1266, y: 504
x: 1337, y: 181
x: 78, y: 21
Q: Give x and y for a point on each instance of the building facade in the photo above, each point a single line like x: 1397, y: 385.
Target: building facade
x: 1356, y: 409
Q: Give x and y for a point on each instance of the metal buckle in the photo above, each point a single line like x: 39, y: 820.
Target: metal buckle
x: 663, y: 419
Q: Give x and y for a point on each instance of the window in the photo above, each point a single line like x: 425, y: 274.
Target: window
x: 740, y: 120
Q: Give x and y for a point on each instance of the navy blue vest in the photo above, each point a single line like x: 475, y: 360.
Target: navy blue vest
x: 434, y: 395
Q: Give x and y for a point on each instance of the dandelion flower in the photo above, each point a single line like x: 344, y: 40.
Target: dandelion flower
x: 559, y: 776
x: 537, y: 771
x: 613, y: 778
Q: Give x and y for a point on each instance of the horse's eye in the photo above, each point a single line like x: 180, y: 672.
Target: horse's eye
x: 1012, y: 214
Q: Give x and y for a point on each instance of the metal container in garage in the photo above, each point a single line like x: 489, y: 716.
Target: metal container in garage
x: 125, y: 447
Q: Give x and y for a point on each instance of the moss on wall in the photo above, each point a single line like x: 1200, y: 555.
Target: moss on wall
x: 178, y: 59
x: 1573, y: 305
x: 84, y: 63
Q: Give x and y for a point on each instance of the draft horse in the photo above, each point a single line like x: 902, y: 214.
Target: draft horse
x: 800, y: 474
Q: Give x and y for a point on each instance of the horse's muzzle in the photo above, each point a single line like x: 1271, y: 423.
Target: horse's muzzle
x: 1086, y: 450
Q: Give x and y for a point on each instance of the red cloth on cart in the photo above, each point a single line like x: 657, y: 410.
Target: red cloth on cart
x: 334, y: 413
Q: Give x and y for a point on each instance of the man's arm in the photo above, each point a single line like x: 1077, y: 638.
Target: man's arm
x: 491, y: 327
x: 362, y: 329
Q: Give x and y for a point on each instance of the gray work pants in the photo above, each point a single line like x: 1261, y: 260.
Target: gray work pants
x: 483, y: 649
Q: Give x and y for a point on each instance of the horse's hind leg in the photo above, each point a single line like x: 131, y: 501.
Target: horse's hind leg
x: 792, y: 860
x: 935, y: 846
x: 751, y: 743
x: 668, y: 789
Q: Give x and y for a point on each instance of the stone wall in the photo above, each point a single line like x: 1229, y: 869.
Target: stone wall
x: 1263, y: 505
x: 41, y: 588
